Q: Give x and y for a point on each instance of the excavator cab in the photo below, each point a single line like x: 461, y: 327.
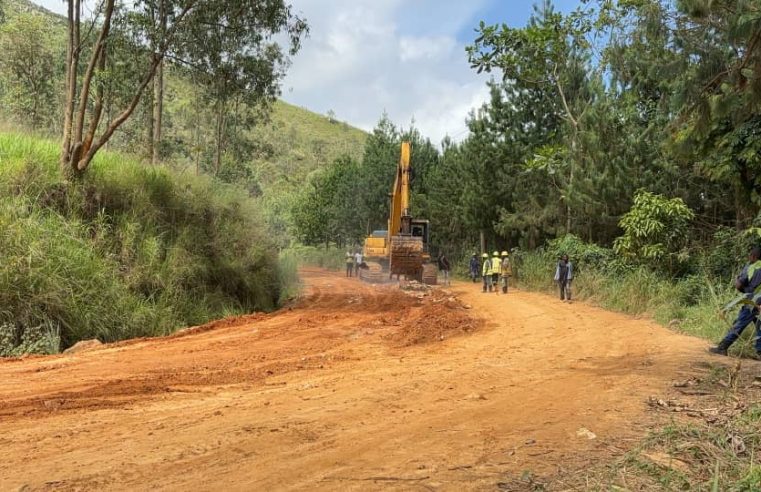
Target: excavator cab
x: 420, y: 228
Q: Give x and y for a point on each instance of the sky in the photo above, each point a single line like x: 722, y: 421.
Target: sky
x: 402, y: 57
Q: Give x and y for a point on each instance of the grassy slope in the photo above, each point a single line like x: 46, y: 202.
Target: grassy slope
x: 304, y: 141
x: 139, y: 251
x: 14, y: 7
x: 128, y: 251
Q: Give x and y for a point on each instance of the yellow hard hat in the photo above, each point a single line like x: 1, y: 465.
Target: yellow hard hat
x: 496, y: 253
x: 484, y: 255
x: 505, y: 253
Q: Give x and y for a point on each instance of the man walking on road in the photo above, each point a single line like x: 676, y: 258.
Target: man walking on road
x: 486, y: 272
x: 749, y: 283
x: 475, y: 266
x: 564, y: 277
x: 349, y: 264
x: 507, y: 271
x: 496, y: 270
x: 444, y: 267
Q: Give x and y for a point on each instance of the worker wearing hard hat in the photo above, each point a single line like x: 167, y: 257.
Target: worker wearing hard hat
x: 496, y: 269
x: 507, y: 271
x: 486, y: 272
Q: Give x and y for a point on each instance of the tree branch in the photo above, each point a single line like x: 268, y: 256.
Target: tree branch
x: 87, y: 79
x: 563, y: 98
x: 120, y: 119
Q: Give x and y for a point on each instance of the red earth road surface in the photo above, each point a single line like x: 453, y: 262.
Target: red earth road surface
x: 355, y: 387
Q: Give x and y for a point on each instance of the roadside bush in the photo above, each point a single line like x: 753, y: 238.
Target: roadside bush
x: 128, y: 251
x: 584, y: 255
x: 655, y: 232
x: 534, y: 270
x: 33, y: 340
x: 727, y: 252
x: 289, y: 275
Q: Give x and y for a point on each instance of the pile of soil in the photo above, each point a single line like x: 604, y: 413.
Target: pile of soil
x: 438, y: 318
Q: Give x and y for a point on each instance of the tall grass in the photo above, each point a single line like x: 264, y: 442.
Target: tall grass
x: 128, y: 251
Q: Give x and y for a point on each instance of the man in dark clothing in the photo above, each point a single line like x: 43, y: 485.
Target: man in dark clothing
x: 564, y: 277
x: 475, y: 266
x: 444, y: 267
x: 349, y: 264
x: 749, y: 283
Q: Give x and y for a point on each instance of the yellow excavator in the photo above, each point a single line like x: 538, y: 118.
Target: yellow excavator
x: 402, y: 249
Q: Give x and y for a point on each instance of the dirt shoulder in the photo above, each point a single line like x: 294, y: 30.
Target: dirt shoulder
x: 356, y: 387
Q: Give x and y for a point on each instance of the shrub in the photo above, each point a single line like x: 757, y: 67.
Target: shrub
x: 726, y: 253
x: 655, y: 231
x: 583, y: 255
x: 128, y: 251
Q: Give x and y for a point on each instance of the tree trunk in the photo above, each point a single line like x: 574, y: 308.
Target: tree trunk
x: 158, y: 109
x: 220, y: 137
x: 158, y: 93
x: 575, y: 125
x: 72, y: 62
x: 149, y: 131
x: 77, y: 153
x: 75, y: 143
x: 571, y: 176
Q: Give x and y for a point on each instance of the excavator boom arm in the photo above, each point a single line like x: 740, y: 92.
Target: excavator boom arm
x: 400, y: 195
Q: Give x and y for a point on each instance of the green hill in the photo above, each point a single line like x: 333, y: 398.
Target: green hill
x: 15, y: 7
x: 292, y: 144
x: 271, y: 159
x: 304, y: 141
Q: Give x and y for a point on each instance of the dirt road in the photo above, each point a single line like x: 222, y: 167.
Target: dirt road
x: 354, y: 388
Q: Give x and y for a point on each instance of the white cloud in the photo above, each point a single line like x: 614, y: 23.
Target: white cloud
x: 364, y: 57
x: 413, y: 48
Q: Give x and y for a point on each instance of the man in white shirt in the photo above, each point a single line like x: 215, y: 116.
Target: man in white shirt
x: 357, y: 262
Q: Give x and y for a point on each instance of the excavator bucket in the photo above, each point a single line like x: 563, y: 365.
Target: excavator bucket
x: 407, y: 257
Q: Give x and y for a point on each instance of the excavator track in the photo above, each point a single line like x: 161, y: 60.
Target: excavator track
x: 430, y: 274
x: 374, y: 273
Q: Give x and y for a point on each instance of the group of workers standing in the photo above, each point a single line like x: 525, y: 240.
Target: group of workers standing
x: 494, y: 272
